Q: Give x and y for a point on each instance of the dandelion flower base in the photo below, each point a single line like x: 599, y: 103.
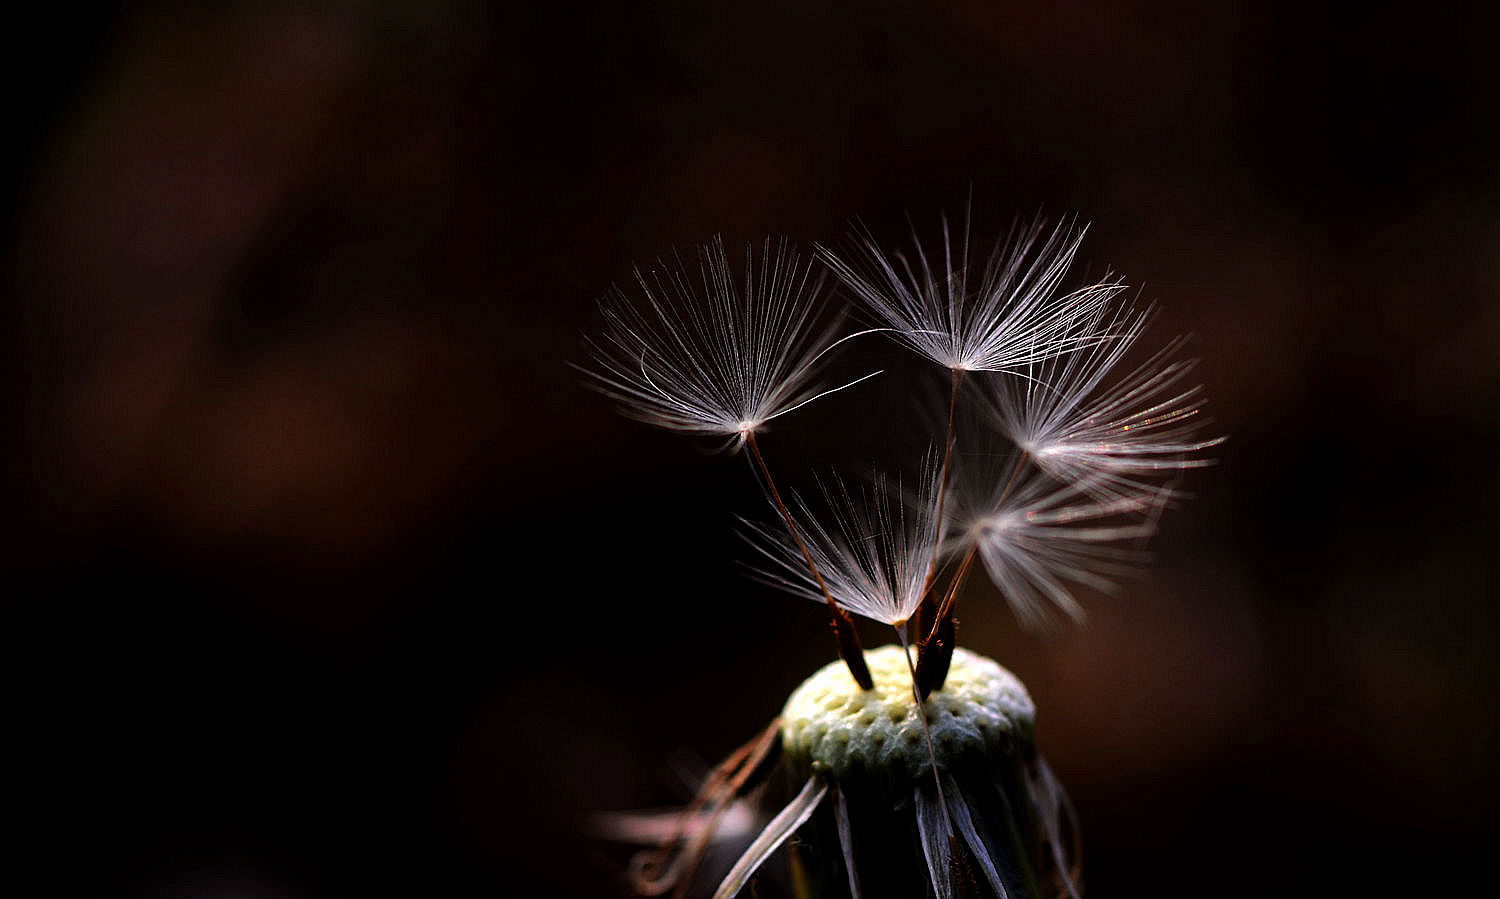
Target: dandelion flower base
x: 990, y: 821
x: 982, y: 712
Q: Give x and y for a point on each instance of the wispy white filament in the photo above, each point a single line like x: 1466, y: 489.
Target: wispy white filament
x: 1114, y: 441
x: 1037, y: 540
x: 875, y: 558
x: 1010, y: 312
x: 712, y: 354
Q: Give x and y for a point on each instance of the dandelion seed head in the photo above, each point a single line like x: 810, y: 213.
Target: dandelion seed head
x: 711, y: 352
x: 874, y: 559
x: 1039, y: 541
x: 1114, y: 439
x: 1093, y: 452
x: 966, y: 316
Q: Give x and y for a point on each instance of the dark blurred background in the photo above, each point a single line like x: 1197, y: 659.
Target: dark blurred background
x: 329, y: 580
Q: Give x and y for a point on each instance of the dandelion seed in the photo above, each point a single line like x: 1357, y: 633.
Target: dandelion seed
x: 1037, y: 539
x: 1113, y: 442
x: 1015, y: 314
x: 712, y: 355
x: 875, y: 558
x: 723, y: 360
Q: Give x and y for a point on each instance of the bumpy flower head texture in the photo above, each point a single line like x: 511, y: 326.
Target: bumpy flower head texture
x: 1115, y: 442
x: 998, y: 827
x: 713, y: 355
x: 1016, y: 313
x: 875, y: 559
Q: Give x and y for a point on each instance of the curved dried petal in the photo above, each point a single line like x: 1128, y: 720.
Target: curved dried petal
x: 846, y: 840
x: 937, y: 846
x: 789, y: 819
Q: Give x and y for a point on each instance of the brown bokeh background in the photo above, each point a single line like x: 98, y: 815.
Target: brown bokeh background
x: 329, y: 580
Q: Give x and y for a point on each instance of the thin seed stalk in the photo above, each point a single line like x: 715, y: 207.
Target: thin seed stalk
x: 845, y: 637
x: 925, y: 608
x: 935, y: 650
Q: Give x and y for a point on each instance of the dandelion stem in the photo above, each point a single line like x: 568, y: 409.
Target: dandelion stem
x: 925, y: 609
x: 935, y: 651
x: 844, y: 634
x: 932, y: 668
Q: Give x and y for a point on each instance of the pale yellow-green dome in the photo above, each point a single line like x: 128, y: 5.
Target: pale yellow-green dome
x: 982, y: 710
